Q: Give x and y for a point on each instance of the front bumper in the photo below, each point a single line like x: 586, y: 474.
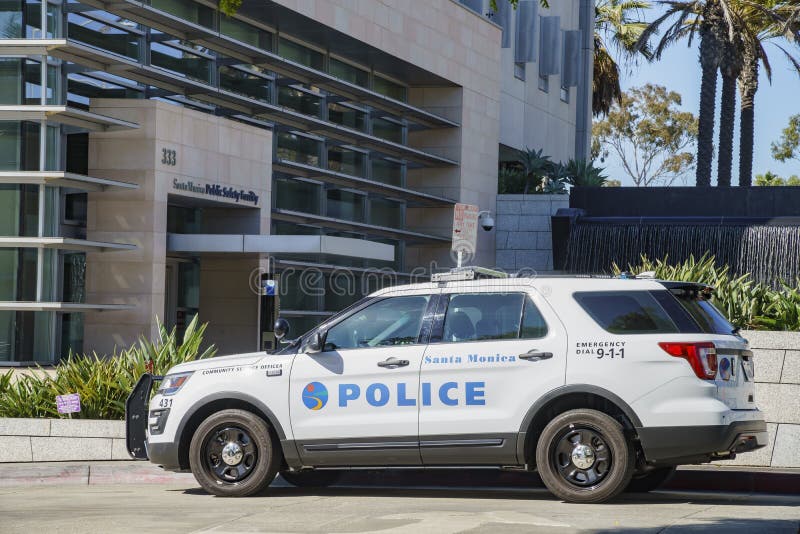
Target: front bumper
x: 693, y: 444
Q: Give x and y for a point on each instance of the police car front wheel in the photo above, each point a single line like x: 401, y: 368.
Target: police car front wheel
x: 583, y: 456
x: 232, y: 454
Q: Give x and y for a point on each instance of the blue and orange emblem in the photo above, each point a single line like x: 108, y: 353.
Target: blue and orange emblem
x: 315, y: 396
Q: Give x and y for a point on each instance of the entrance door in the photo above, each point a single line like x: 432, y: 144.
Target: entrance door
x: 356, y: 403
x: 171, y: 295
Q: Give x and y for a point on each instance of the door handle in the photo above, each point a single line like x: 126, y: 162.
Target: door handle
x: 535, y: 356
x: 393, y: 363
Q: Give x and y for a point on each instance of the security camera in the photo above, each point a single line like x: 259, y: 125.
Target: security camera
x: 486, y: 221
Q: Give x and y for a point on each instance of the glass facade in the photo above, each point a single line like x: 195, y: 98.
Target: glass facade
x: 31, y: 274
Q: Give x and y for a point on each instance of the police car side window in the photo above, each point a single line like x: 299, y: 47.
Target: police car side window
x: 533, y: 324
x: 626, y: 312
x: 388, y: 322
x: 483, y: 316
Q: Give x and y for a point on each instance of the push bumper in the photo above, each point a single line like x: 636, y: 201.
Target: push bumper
x: 693, y: 444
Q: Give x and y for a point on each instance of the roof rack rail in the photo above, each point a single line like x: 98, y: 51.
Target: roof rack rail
x: 467, y: 273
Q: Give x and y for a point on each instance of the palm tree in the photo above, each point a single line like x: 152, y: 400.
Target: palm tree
x: 731, y: 67
x: 706, y: 19
x: 613, y: 22
x: 535, y: 168
x: 759, y: 24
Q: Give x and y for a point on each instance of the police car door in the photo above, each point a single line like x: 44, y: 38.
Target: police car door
x: 355, y: 403
x: 492, y: 353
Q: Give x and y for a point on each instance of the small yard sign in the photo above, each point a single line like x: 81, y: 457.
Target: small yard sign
x: 69, y: 403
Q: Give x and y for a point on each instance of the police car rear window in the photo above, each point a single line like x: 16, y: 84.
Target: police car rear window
x: 627, y: 312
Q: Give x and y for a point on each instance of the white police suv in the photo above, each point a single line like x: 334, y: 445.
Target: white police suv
x: 600, y: 385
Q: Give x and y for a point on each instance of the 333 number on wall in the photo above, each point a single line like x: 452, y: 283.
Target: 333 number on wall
x: 169, y: 157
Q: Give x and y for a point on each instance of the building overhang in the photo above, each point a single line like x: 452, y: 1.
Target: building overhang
x: 62, y: 307
x: 280, y: 244
x: 62, y: 179
x: 62, y: 243
x: 351, y: 226
x: 412, y: 197
x: 71, y: 116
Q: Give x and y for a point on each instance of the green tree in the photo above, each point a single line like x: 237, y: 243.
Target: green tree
x: 536, y: 168
x: 685, y: 21
x: 769, y: 178
x: 617, y: 29
x: 759, y: 23
x: 653, y: 139
x: 788, y: 146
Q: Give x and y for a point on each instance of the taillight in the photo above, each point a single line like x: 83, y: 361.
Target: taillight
x: 701, y: 356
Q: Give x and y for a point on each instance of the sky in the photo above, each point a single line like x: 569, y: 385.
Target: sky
x: 679, y: 70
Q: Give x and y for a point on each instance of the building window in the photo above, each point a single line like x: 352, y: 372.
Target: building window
x: 245, y: 33
x: 388, y: 213
x: 348, y: 116
x: 187, y: 10
x: 96, y: 32
x: 519, y: 71
x: 564, y: 94
x: 301, y: 54
x: 389, y: 88
x: 347, y: 205
x: 297, y: 195
x: 346, y: 161
x: 246, y: 82
x: 388, y: 172
x: 298, y: 148
x: 25, y: 336
x: 300, y: 99
x: 181, y: 59
x: 348, y: 72
x: 544, y: 83
x: 388, y: 129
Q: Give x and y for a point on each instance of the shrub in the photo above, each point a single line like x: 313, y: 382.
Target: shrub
x: 747, y: 304
x: 103, y: 383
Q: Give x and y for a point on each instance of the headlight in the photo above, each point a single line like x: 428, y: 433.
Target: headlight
x: 172, y: 383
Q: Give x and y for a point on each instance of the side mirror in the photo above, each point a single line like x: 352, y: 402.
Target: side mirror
x: 281, y: 328
x: 316, y: 343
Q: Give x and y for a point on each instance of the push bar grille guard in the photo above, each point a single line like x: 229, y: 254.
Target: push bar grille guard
x: 136, y: 416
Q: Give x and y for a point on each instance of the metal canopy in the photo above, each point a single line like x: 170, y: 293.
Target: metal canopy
x: 62, y: 179
x: 280, y: 244
x: 64, y: 115
x: 64, y: 307
x: 413, y: 198
x: 62, y: 243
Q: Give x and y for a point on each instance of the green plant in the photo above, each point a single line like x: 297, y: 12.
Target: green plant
x: 535, y: 168
x: 510, y: 181
x: 103, y: 383
x: 554, y: 182
x: 747, y: 304
x: 582, y: 172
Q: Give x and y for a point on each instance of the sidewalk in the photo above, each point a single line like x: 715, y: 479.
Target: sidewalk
x: 692, y: 478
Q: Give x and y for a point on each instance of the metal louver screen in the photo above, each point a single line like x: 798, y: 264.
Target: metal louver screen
x: 503, y: 18
x: 571, y: 58
x: 549, y: 45
x: 524, y: 44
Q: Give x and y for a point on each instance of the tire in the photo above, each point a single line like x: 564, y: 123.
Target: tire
x: 651, y: 480
x: 233, y: 454
x: 605, y: 467
x: 311, y: 478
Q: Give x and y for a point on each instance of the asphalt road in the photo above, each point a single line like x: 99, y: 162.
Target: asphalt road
x: 185, y: 508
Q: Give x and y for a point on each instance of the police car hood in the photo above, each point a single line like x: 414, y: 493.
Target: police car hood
x: 220, y: 361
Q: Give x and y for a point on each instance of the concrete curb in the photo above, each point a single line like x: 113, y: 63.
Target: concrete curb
x: 689, y: 478
x: 84, y: 473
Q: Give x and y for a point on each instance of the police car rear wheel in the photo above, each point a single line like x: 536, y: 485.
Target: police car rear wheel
x: 232, y: 454
x: 583, y: 456
x: 311, y: 479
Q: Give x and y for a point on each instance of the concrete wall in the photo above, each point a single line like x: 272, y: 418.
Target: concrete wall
x: 524, y: 239
x: 210, y: 150
x: 530, y: 117
x: 61, y: 440
x: 777, y: 368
